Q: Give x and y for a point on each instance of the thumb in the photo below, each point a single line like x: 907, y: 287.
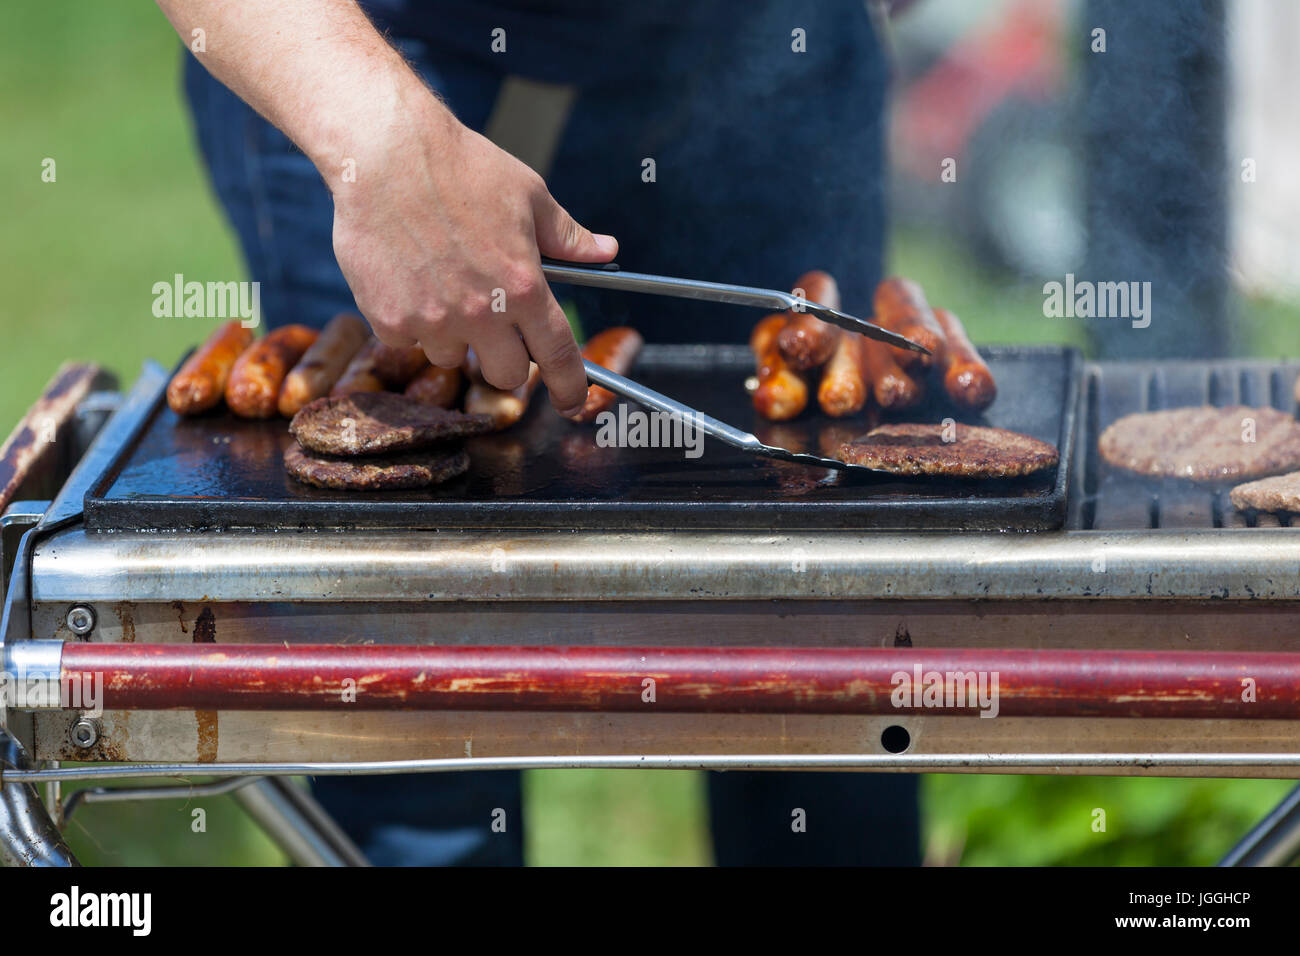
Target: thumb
x: 560, y: 237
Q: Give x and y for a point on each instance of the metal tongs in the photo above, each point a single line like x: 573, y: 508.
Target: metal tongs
x: 610, y: 276
x: 694, y: 418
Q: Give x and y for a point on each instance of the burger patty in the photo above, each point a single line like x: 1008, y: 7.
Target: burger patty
x: 974, y: 452
x: 1204, y: 443
x: 1279, y: 493
x: 414, y: 470
x: 375, y: 423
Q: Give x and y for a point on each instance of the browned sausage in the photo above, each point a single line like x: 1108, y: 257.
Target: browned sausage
x: 966, y: 377
x: 901, y: 308
x: 254, y: 387
x: 843, y: 389
x: 893, y: 388
x: 782, y: 393
x: 397, y: 365
x: 323, y: 363
x: 201, y: 381
x: 436, y: 386
x: 506, y: 408
x: 360, y: 375
x: 615, y: 349
x: 807, y: 342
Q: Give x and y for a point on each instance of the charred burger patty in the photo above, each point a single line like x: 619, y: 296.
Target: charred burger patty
x: 1204, y: 443
x: 964, y: 451
x: 413, y: 470
x: 377, y: 423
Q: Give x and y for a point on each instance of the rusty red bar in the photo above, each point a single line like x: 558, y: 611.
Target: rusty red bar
x: 1051, y: 683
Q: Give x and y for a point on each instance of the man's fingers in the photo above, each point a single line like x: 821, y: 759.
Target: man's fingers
x: 551, y: 344
x: 444, y: 355
x: 503, y: 360
x: 560, y: 237
x: 391, y: 336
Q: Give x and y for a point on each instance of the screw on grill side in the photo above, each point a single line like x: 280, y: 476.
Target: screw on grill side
x: 81, y: 619
x: 84, y: 733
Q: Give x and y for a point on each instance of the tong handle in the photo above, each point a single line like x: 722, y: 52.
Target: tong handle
x: 549, y: 263
x: 610, y: 276
x: 662, y: 403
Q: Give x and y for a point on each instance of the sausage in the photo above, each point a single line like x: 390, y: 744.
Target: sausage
x: 323, y: 363
x: 966, y: 377
x: 506, y: 408
x: 615, y: 349
x: 397, y: 365
x: 436, y: 386
x: 360, y: 375
x: 807, y: 341
x: 843, y: 389
x: 901, y: 308
x: 201, y: 381
x: 253, y: 390
x: 782, y: 393
x: 893, y: 388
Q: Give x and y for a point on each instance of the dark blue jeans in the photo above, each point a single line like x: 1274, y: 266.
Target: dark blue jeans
x: 768, y: 162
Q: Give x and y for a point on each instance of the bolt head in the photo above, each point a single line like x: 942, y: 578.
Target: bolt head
x: 84, y: 733
x: 81, y: 620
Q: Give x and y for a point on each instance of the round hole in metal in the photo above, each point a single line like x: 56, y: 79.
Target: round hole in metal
x: 895, y: 739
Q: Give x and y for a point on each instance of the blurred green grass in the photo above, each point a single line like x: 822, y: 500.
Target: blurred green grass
x: 95, y: 87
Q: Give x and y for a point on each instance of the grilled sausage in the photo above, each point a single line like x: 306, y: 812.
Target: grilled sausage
x: 201, y: 381
x: 901, y: 308
x: 893, y: 388
x: 966, y: 377
x: 253, y: 390
x: 782, y: 393
x: 615, y: 349
x: 323, y: 363
x: 843, y: 389
x: 360, y: 375
x: 506, y: 408
x: 806, y: 341
x: 436, y: 386
x: 397, y: 365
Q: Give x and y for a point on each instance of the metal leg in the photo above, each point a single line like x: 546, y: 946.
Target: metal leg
x: 28, y: 837
x: 299, y: 825
x: 1274, y: 841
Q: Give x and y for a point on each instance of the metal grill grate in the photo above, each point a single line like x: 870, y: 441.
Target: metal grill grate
x: 1105, y: 499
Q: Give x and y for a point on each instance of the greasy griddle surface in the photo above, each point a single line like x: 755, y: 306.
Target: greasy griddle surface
x: 218, y: 471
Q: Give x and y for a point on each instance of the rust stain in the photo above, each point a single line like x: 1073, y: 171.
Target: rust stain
x: 205, y: 632
x: 127, y: 617
x: 205, y: 627
x: 180, y: 615
x: 207, y: 726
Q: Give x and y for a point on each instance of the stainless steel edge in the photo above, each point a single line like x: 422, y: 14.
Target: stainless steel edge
x: 906, y: 762
x: 1238, y: 564
x: 135, y: 406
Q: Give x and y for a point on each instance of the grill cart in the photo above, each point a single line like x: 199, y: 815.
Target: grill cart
x: 568, y: 605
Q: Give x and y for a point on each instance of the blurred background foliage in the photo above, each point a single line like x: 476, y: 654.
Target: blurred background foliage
x: 95, y: 86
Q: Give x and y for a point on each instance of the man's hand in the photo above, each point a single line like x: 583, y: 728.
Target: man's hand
x: 438, y: 231
x: 439, y: 239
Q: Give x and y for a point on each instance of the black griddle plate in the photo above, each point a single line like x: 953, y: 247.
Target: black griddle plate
x: 218, y: 471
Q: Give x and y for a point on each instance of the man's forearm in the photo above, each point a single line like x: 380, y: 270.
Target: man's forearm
x: 436, y: 225
x: 317, y: 69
